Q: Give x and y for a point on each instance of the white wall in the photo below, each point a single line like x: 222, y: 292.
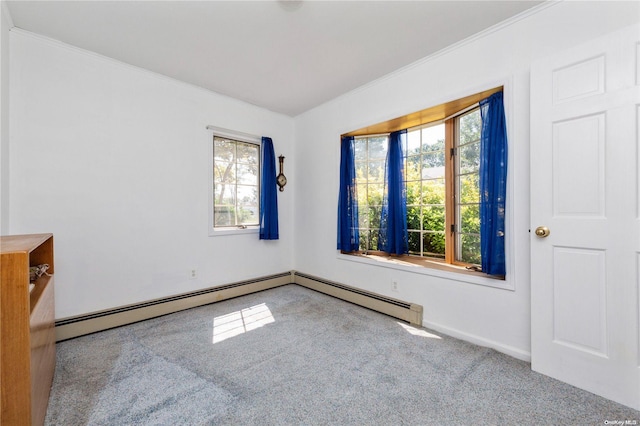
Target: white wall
x: 5, y: 25
x: 494, y: 317
x: 113, y: 160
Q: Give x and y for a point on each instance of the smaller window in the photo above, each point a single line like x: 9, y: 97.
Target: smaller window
x: 236, y: 183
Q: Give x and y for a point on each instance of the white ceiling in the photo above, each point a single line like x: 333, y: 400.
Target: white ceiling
x: 286, y: 56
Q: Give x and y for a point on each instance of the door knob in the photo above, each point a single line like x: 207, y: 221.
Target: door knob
x: 542, y: 231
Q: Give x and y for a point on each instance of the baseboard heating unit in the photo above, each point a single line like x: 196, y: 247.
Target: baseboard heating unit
x: 409, y: 312
x: 71, y: 327
x: 68, y: 328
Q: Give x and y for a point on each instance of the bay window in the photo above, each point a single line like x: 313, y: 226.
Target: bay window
x: 442, y: 179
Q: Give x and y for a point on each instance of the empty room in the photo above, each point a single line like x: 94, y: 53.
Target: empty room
x: 319, y: 212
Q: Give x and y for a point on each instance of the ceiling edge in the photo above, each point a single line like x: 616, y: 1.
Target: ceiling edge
x: 444, y: 51
x: 107, y: 59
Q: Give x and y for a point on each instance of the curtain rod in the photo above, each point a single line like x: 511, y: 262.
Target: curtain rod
x: 233, y: 133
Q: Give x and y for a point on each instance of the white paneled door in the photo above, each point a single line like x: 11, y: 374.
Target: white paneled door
x: 585, y: 253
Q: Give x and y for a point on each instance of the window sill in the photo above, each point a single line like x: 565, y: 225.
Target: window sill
x: 428, y: 267
x: 233, y: 231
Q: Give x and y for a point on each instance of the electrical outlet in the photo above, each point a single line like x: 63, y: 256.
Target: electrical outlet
x: 193, y: 274
x: 394, y: 285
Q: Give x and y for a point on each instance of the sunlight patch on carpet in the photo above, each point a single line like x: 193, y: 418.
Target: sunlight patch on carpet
x: 239, y: 322
x: 418, y: 331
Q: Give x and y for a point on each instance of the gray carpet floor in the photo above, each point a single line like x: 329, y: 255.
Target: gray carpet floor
x: 292, y: 356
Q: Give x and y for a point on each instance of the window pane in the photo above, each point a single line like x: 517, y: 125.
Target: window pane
x: 247, y: 195
x: 224, y: 150
x: 413, y: 193
x: 433, y: 191
x: 224, y: 215
x: 247, y: 174
x: 413, y: 142
x: 360, y: 145
x: 364, y: 240
x: 433, y: 160
x: 374, y: 217
x: 413, y: 217
x: 361, y: 171
x: 247, y: 211
x: 469, y: 248
x: 361, y: 149
x: 373, y: 239
x: 248, y: 215
x: 362, y: 198
x: 470, y: 219
x: 224, y: 172
x: 378, y: 147
x: 469, y: 189
x: 469, y: 158
x: 433, y: 244
x: 225, y: 194
x: 433, y: 218
x: 375, y: 193
x: 414, y: 243
x: 248, y: 153
x: 433, y: 138
x: 413, y: 168
x: 224, y: 212
x: 469, y: 127
x: 376, y: 171
x: 363, y: 217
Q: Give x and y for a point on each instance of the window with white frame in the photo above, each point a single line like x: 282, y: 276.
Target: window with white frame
x: 236, y: 183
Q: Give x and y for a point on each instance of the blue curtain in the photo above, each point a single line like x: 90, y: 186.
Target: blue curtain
x: 493, y: 184
x: 268, y: 193
x: 393, y: 220
x: 348, y: 232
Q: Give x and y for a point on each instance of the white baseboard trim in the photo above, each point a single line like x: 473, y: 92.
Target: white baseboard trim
x: 477, y: 340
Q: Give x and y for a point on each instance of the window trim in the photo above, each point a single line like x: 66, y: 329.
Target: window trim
x: 441, y: 111
x: 446, y: 271
x: 240, y: 137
